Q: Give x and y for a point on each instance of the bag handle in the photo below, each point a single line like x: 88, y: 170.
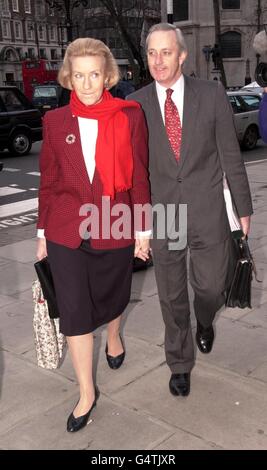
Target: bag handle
x: 246, y: 253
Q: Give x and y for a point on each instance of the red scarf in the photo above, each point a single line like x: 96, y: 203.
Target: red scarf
x: 114, y: 155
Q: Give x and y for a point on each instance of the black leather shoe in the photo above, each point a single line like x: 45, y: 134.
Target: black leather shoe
x: 115, y: 362
x: 204, y: 338
x: 180, y: 384
x: 75, y: 424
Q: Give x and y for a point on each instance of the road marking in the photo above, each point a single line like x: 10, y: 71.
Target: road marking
x: 33, y: 189
x: 34, y: 173
x: 13, y: 185
x: 11, y: 169
x: 7, y: 191
x: 18, y: 207
x: 20, y: 220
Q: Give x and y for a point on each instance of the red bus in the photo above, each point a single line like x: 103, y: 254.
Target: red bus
x: 38, y: 72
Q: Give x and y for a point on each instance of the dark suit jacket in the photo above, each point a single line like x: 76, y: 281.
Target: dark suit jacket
x: 65, y: 186
x: 208, y: 128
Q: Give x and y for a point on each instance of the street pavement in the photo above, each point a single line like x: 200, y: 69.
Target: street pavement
x: 227, y: 406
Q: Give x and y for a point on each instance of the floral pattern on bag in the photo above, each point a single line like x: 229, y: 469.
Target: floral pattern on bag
x: 49, y: 342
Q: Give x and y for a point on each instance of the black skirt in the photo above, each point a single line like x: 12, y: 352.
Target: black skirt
x: 92, y: 286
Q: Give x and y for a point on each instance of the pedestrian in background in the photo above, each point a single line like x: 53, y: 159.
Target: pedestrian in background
x: 263, y: 116
x: 94, y: 147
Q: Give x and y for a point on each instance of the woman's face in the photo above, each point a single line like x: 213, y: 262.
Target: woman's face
x: 88, y: 78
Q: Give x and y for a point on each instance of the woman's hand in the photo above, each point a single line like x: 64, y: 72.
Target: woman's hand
x: 142, y: 248
x: 41, y: 248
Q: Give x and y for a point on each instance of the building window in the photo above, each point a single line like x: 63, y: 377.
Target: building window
x: 30, y: 31
x: 41, y: 32
x: 20, y: 52
x: 52, y: 32
x: 180, y: 10
x: 15, y: 5
x: 31, y: 53
x: 231, y: 44
x: 231, y: 4
x: 17, y: 30
x: 6, y: 28
x: 51, y: 11
x: 39, y: 9
x: 53, y: 53
x: 43, y: 54
x: 4, y: 8
x: 27, y: 6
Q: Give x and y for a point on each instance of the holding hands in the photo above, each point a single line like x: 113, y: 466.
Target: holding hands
x: 142, y: 248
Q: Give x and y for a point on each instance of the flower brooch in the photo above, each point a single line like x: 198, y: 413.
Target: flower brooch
x: 70, y: 139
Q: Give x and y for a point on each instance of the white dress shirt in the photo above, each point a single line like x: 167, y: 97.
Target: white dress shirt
x: 88, y: 133
x: 177, y: 97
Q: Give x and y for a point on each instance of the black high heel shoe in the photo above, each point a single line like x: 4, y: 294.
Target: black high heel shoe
x: 75, y: 424
x: 115, y: 362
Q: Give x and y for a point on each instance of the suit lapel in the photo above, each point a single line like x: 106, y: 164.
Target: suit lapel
x: 72, y: 147
x: 190, y: 112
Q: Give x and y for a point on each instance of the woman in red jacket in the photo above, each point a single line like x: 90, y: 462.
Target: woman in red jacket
x: 93, y: 166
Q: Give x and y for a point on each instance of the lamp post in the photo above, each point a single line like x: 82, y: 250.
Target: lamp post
x: 33, y: 27
x: 67, y: 6
x: 207, y: 51
x: 170, y: 11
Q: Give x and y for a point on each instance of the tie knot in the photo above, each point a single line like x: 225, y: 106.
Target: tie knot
x: 169, y: 93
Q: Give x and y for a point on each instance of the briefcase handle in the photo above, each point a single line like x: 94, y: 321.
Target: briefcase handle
x: 246, y: 254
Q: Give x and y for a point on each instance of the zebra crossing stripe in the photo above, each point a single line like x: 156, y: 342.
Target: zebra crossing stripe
x: 19, y: 207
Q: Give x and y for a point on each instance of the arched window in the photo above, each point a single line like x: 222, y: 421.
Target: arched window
x: 180, y: 10
x: 231, y: 4
x: 231, y: 44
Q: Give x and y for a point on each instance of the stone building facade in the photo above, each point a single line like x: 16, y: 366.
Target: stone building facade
x: 28, y: 29
x: 240, y: 22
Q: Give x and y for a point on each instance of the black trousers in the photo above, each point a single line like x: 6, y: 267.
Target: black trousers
x: 92, y: 286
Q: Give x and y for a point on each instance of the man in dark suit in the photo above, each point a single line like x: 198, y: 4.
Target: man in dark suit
x: 190, y: 125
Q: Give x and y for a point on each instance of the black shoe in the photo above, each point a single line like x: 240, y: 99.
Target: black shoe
x: 204, y: 338
x: 180, y: 384
x: 75, y: 424
x: 115, y: 362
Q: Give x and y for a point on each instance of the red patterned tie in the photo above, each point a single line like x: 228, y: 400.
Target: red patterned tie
x: 173, y: 124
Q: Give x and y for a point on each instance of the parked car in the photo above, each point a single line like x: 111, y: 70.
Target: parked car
x: 46, y: 97
x: 20, y: 121
x: 254, y: 87
x: 245, y: 106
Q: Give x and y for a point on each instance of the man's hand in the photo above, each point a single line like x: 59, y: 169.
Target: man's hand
x: 142, y: 248
x: 245, y: 224
x: 41, y: 248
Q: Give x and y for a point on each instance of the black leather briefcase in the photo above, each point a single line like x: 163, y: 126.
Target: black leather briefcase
x: 239, y: 294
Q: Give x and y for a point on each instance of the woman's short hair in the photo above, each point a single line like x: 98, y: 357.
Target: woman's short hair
x: 169, y: 27
x: 84, y: 47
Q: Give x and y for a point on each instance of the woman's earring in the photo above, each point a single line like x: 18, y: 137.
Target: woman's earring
x: 106, y: 84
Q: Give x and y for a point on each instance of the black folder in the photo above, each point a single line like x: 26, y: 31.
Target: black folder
x: 44, y: 274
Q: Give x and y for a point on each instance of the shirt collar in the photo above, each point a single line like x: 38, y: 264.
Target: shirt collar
x: 177, y: 87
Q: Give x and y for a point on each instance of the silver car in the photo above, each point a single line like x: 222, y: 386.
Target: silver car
x: 245, y: 106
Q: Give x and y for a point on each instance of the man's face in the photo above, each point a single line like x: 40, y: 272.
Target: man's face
x: 164, y: 57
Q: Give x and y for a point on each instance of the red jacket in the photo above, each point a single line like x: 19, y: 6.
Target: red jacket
x: 65, y: 185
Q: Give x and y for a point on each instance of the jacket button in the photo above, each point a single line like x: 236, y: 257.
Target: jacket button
x: 179, y: 180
